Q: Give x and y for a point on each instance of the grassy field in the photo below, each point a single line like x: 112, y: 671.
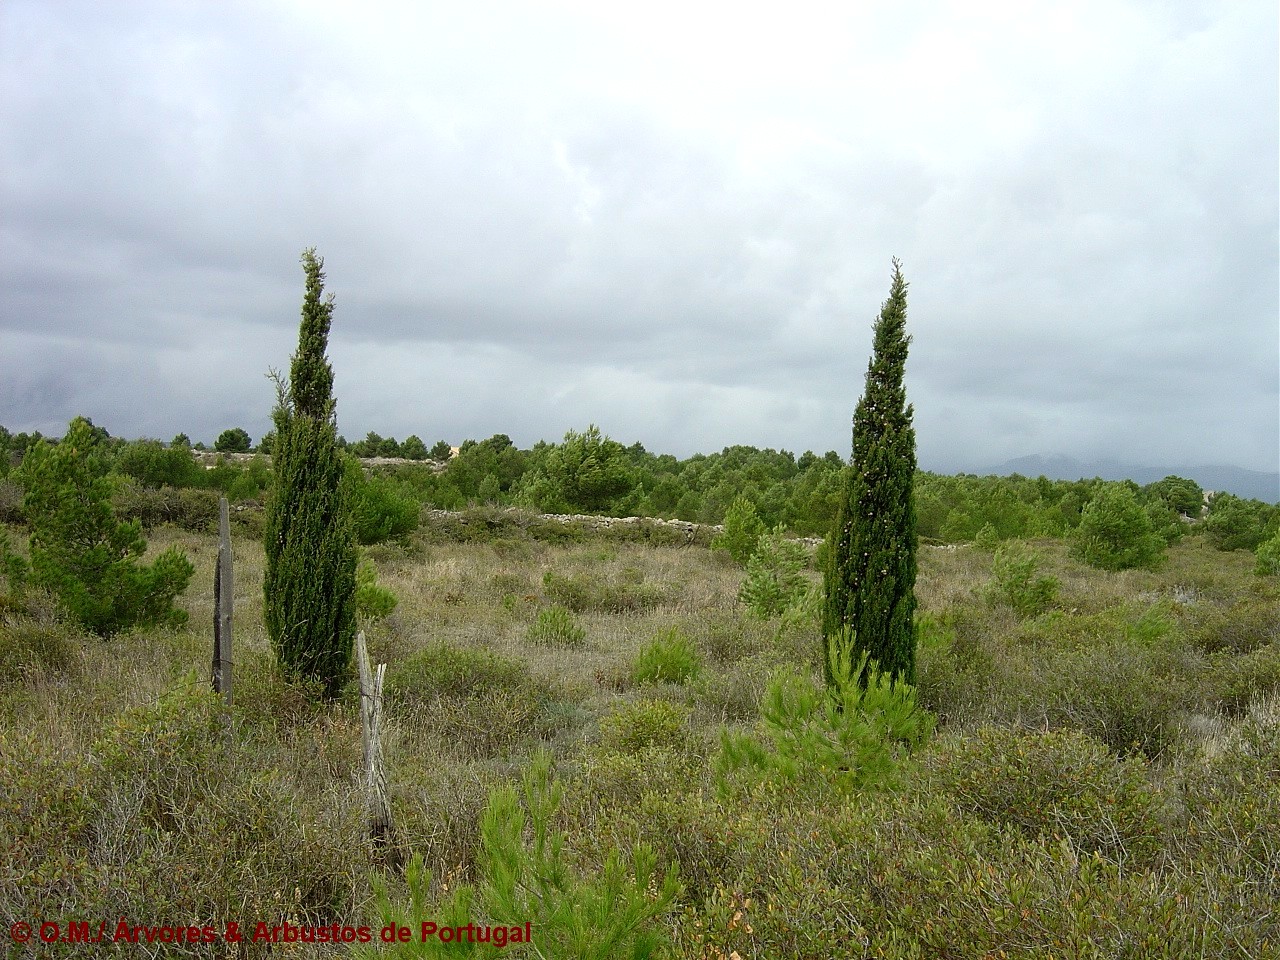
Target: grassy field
x: 1104, y: 779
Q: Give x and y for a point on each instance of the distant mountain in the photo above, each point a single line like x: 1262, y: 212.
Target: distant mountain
x: 1243, y: 483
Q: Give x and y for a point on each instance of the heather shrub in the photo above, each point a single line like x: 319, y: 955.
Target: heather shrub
x: 555, y: 627
x: 1238, y: 628
x: 10, y: 502
x: 475, y: 702
x: 670, y: 657
x: 626, y: 592
x: 1053, y: 785
x: 1240, y: 680
x: 33, y: 646
x: 1228, y: 844
x: 633, y: 727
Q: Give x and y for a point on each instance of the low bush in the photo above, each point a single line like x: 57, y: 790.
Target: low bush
x: 848, y: 740
x: 195, y: 510
x: 525, y: 876
x: 1054, y: 785
x: 373, y: 602
x: 775, y: 579
x: 30, y: 647
x: 1015, y: 582
x: 670, y: 657
x: 474, y: 702
x: 555, y: 626
x: 743, y: 529
x: 626, y: 592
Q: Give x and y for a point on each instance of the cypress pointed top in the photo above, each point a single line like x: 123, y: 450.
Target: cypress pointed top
x: 311, y: 376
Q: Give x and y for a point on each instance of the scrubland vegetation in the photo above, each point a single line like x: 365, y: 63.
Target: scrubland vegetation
x: 1011, y: 717
x: 603, y: 717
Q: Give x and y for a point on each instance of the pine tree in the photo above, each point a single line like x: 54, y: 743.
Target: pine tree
x: 871, y: 570
x: 310, y: 578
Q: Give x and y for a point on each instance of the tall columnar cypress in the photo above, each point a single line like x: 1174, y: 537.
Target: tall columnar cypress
x: 310, y: 579
x: 871, y: 569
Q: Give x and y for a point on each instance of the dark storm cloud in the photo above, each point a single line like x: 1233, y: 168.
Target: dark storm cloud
x: 677, y: 225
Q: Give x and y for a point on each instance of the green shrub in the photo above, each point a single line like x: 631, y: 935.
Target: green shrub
x: 670, y: 657
x: 1054, y: 785
x: 1268, y: 557
x: 526, y: 876
x: 556, y: 627
x: 29, y: 647
x: 476, y: 702
x: 195, y: 510
x: 743, y: 529
x: 987, y: 537
x: 380, y: 511
x: 849, y: 739
x: 82, y: 553
x: 1237, y: 524
x: 152, y: 464
x: 373, y: 602
x: 1240, y: 680
x: 634, y: 727
x: 775, y: 579
x: 625, y: 593
x: 1014, y: 580
x: 1115, y: 532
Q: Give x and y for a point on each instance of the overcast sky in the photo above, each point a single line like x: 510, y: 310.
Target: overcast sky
x: 674, y: 220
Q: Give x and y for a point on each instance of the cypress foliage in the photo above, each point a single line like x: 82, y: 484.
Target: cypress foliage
x: 871, y: 571
x: 310, y: 581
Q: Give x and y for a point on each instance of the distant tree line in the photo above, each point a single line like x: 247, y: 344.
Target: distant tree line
x: 588, y: 472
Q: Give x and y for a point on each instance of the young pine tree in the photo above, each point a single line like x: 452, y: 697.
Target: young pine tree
x: 81, y: 552
x: 310, y: 581
x: 871, y: 569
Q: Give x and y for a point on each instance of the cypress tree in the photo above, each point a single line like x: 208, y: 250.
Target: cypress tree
x: 310, y: 581
x: 871, y: 570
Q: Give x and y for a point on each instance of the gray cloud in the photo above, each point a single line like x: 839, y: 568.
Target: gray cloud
x: 677, y: 225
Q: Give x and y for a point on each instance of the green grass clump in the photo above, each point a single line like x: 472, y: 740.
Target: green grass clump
x: 670, y: 657
x: 555, y: 626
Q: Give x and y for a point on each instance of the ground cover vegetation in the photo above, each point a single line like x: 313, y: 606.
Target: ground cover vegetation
x: 1088, y: 764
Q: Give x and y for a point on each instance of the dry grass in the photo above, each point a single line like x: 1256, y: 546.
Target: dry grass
x: 1083, y: 664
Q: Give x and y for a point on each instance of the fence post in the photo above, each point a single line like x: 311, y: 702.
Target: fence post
x: 375, y: 777
x: 223, y: 606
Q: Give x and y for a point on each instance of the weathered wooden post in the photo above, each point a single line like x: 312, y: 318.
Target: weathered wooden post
x: 375, y: 777
x: 223, y: 605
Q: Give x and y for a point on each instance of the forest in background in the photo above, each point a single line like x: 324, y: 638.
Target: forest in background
x: 589, y: 473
